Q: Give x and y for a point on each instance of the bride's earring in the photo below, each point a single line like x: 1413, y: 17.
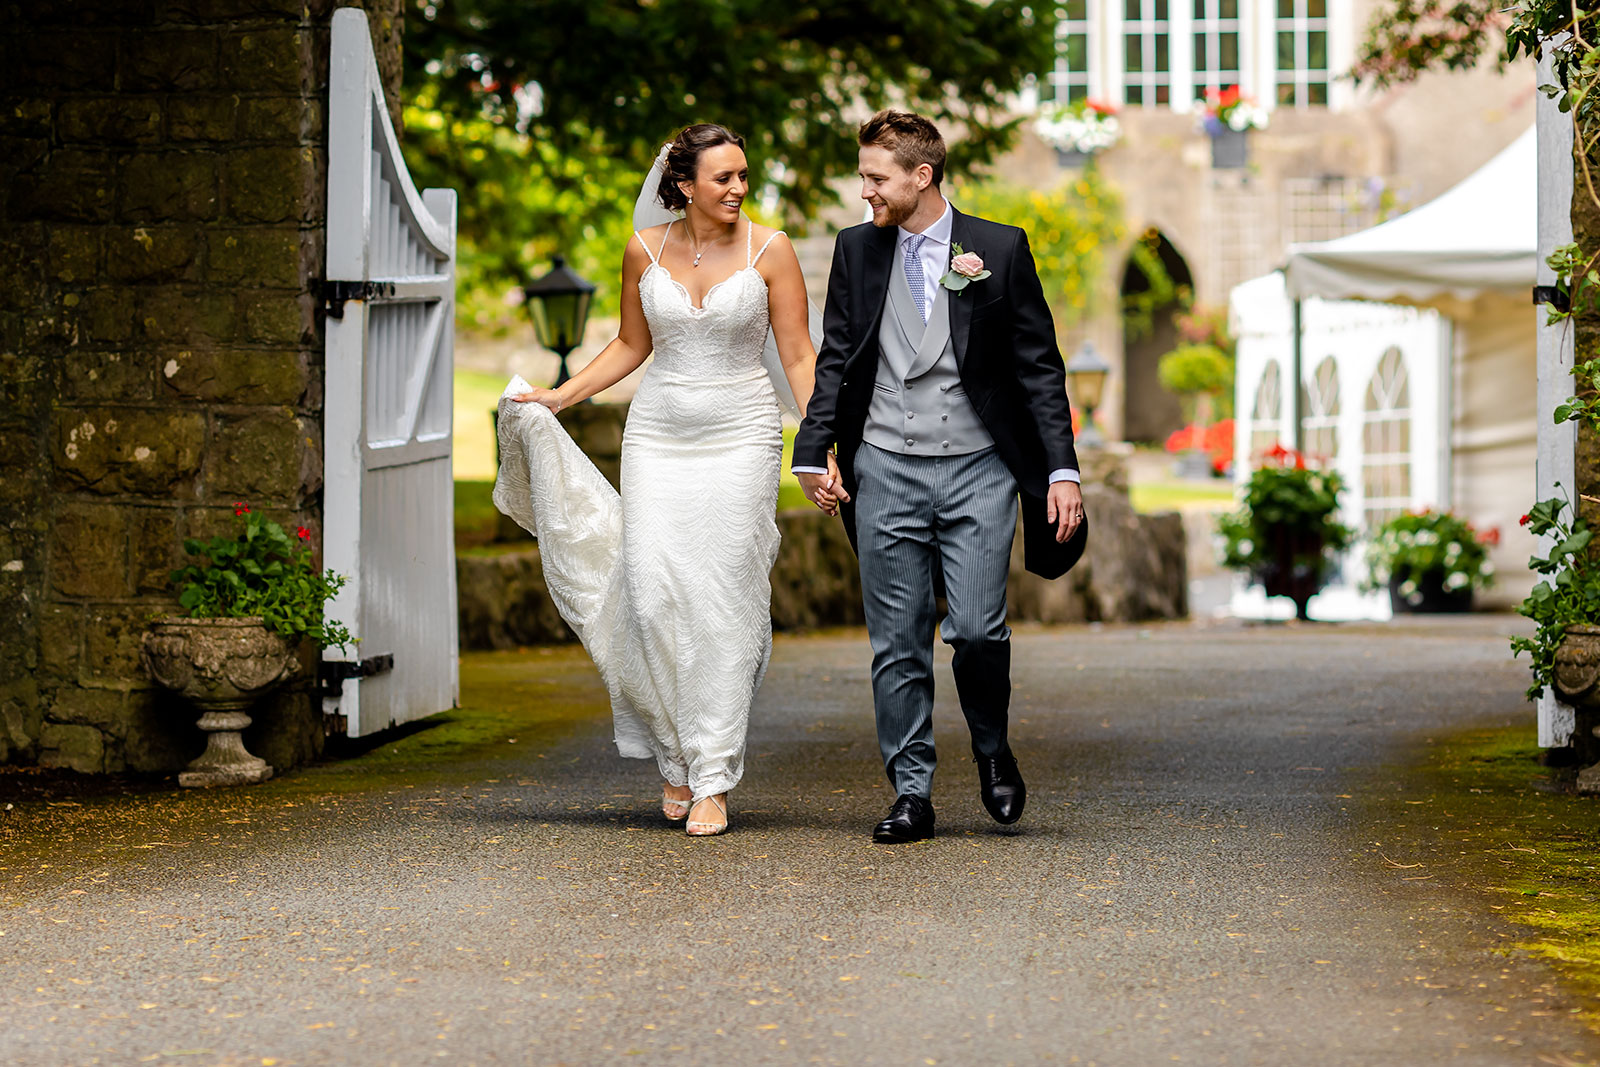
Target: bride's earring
x: 691, y: 200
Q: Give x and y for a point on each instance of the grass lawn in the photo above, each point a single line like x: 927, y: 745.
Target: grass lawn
x: 1181, y: 496
x: 477, y: 395
x: 1478, y: 812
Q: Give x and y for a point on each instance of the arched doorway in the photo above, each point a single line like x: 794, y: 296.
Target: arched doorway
x: 1156, y: 283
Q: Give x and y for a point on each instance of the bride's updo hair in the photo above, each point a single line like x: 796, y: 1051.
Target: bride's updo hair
x: 683, y: 159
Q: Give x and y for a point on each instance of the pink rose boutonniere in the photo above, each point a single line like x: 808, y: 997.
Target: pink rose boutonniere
x: 965, y: 268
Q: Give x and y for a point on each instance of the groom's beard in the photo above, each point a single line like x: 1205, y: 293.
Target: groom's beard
x: 894, y: 211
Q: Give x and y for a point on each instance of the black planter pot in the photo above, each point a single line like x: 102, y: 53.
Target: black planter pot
x: 1431, y: 597
x: 1073, y: 159
x: 1296, y: 567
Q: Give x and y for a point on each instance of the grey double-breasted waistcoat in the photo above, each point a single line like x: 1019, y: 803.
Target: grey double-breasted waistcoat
x: 919, y: 407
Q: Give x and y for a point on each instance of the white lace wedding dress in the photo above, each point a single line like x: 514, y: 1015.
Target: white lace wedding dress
x: 668, y: 586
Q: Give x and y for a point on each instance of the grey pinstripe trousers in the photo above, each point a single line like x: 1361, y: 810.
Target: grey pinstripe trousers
x: 918, y: 517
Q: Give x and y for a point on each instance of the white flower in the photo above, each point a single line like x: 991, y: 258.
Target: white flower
x: 1246, y: 547
x: 1427, y: 537
x: 1246, y: 116
x: 1455, y: 580
x: 1487, y: 570
x: 1088, y: 132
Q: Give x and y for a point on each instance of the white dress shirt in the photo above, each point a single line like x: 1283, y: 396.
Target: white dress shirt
x: 935, y: 256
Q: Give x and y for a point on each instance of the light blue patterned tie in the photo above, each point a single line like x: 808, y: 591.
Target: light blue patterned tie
x: 914, y: 276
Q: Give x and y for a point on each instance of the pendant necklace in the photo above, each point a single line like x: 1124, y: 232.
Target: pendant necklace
x: 697, y: 254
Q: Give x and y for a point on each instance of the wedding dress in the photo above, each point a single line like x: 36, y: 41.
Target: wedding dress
x: 668, y: 585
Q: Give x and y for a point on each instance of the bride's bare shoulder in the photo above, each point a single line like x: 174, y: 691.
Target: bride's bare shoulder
x: 760, y: 234
x: 766, y: 240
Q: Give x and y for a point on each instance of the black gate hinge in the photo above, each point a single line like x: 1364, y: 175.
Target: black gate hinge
x: 333, y: 672
x: 334, y: 294
x: 1553, y: 295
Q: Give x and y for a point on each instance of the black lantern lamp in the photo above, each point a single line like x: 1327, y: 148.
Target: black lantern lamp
x: 558, y: 304
x: 1086, y: 384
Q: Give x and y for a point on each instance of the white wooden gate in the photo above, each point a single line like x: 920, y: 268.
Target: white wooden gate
x: 1558, y: 442
x: 387, y: 493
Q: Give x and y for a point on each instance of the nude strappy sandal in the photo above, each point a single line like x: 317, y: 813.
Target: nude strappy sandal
x: 696, y: 828
x: 674, y: 809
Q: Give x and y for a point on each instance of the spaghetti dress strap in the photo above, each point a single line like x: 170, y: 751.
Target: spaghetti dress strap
x: 646, y: 247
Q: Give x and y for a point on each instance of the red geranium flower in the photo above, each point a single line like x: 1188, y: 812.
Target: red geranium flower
x: 240, y: 508
x: 1523, y: 521
x: 302, y: 533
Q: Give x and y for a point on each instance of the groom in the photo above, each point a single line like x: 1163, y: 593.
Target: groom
x: 941, y: 385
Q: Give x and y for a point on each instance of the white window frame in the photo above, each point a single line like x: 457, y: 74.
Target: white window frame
x: 1320, y: 417
x: 1149, y: 29
x: 1258, y: 44
x: 1061, y: 76
x: 1389, y: 416
x: 1214, y: 26
x: 1302, y: 26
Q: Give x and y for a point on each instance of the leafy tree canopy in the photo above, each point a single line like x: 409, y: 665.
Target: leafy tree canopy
x: 1409, y: 37
x: 546, y: 113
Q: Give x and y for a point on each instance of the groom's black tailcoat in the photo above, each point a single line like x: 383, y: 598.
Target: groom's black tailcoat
x: 1005, y: 348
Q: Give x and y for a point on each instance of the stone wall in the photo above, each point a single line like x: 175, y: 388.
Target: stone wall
x: 1135, y: 567
x: 162, y: 169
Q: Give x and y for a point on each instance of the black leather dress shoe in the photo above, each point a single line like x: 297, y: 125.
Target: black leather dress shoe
x: 1001, y: 787
x: 911, y: 819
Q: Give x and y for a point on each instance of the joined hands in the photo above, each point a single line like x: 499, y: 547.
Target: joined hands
x: 824, y: 490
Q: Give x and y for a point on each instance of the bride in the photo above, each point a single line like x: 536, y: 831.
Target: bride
x: 668, y: 586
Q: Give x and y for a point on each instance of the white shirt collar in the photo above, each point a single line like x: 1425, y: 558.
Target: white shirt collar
x: 939, y: 232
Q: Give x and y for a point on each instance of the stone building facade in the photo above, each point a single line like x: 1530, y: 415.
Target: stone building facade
x: 1334, y: 158
x: 162, y: 169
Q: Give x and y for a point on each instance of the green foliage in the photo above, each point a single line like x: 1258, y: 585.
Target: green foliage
x: 261, y: 571
x: 1569, y: 594
x: 1193, y: 369
x: 521, y: 202
x: 1413, y: 36
x: 546, y: 114
x: 1069, y: 227
x: 1582, y: 409
x: 1204, y: 324
x: 1432, y: 544
x: 1285, y: 496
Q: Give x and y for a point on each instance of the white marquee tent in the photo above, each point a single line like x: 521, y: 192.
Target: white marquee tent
x: 1416, y: 367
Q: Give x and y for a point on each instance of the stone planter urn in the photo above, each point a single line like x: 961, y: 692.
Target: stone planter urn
x: 222, y: 667
x: 1577, y: 682
x: 1230, y: 149
x: 1430, y: 598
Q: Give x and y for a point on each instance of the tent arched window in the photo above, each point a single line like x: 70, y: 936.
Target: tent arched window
x: 1266, y: 417
x: 1319, y: 404
x: 1386, y: 442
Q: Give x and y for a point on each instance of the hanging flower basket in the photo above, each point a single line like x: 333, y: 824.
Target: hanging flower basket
x: 1227, y: 117
x: 1079, y: 130
x: 1230, y: 150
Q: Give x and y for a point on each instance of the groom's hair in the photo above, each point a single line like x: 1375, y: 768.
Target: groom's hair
x: 912, y: 139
